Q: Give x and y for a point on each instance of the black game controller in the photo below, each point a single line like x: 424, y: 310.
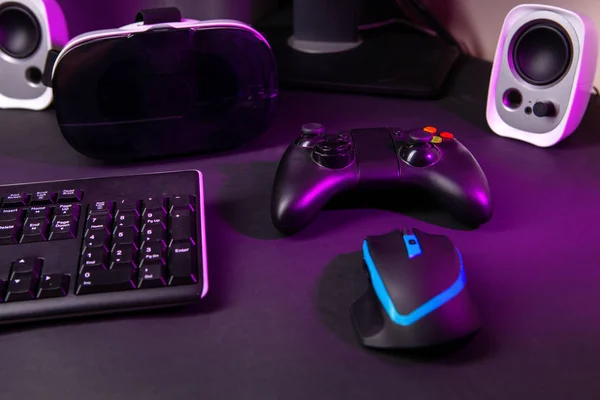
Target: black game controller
x: 319, y: 166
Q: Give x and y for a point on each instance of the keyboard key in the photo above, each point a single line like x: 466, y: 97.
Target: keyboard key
x: 102, y: 208
x: 182, y: 264
x: 53, y: 285
x: 97, y: 238
x: 129, y: 218
x: 11, y: 215
x: 44, y: 197
x: 63, y: 227
x: 34, y: 230
x: 155, y: 203
x: 15, y: 200
x: 95, y: 257
x: 9, y: 232
x: 21, y: 287
x: 98, y: 280
x: 182, y: 226
x: 152, y: 276
x: 99, y: 222
x: 39, y: 212
x: 124, y: 256
x: 69, y: 196
x: 154, y: 217
x: 127, y: 205
x: 125, y: 235
x: 153, y: 253
x: 68, y: 209
x: 154, y: 233
x: 27, y: 265
x: 182, y: 202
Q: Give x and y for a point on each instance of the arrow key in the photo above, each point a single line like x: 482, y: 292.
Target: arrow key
x: 21, y: 287
x: 53, y: 285
x: 27, y: 265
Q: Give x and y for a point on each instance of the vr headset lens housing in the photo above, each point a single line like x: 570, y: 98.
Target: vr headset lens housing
x: 165, y: 91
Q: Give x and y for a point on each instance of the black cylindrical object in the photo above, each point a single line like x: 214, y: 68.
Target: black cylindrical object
x: 326, y: 20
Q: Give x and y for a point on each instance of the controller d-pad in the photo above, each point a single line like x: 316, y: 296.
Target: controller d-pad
x: 334, y: 152
x: 334, y: 145
x: 420, y: 155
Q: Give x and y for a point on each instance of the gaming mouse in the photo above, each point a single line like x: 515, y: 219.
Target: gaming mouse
x: 417, y: 296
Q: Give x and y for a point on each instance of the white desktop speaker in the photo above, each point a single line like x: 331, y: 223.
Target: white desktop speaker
x: 28, y: 30
x: 543, y: 73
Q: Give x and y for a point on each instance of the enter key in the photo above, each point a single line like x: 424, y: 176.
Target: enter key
x: 182, y: 264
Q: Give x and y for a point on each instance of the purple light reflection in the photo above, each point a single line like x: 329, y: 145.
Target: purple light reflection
x: 321, y: 191
x: 482, y: 197
x: 57, y: 25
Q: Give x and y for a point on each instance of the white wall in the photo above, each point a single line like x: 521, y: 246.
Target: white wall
x: 476, y: 24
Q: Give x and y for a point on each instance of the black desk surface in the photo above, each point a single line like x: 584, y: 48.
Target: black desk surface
x: 276, y: 325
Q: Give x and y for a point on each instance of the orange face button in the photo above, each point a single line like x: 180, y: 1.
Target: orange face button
x: 447, y: 135
x: 430, y: 129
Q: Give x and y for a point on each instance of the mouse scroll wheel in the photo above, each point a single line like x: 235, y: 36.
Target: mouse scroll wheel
x: 413, y: 247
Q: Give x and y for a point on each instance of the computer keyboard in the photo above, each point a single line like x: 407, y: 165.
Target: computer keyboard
x: 101, y: 245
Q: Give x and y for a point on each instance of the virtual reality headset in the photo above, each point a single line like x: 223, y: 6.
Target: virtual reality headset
x: 163, y: 86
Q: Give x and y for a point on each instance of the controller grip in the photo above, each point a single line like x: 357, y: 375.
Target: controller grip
x: 468, y: 200
x: 302, y: 188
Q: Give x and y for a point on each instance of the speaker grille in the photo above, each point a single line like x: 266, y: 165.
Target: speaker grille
x: 542, y: 52
x: 20, y: 32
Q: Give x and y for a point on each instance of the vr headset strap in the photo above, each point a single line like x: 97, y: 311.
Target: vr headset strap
x: 159, y: 15
x: 49, y: 67
x: 147, y: 17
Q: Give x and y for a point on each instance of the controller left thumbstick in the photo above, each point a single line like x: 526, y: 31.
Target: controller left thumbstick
x: 312, y: 134
x: 313, y: 129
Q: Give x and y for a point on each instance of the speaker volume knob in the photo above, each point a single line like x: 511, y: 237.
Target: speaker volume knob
x: 544, y: 109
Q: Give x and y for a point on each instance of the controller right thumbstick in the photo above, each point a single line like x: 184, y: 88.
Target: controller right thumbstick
x: 420, y: 152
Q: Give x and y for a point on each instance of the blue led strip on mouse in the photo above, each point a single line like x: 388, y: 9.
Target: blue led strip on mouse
x: 421, y: 311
